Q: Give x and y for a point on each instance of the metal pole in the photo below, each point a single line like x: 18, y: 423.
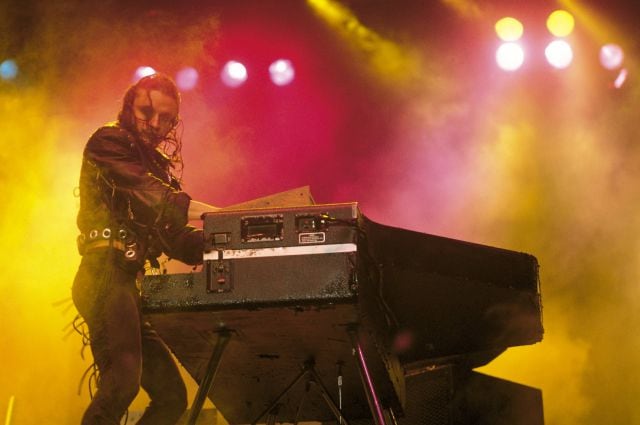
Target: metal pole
x: 207, y: 380
x: 367, y: 382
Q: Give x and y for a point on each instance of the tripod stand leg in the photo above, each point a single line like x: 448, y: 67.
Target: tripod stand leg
x: 327, y: 398
x: 367, y: 382
x: 271, y: 417
x: 391, y: 416
x: 282, y: 394
x: 307, y: 387
x: 308, y: 370
x: 207, y: 380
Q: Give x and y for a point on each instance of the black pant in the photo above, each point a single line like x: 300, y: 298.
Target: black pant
x: 128, y: 352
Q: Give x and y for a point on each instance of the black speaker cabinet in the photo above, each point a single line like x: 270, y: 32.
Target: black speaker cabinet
x: 448, y: 395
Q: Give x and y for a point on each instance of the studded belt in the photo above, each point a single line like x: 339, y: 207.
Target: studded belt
x: 120, y: 239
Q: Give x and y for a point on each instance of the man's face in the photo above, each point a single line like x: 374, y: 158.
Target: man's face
x: 155, y: 114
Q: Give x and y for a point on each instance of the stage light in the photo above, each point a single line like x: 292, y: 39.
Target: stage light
x: 143, y: 71
x: 509, y: 29
x: 234, y: 74
x: 510, y: 56
x: 559, y: 54
x: 611, y: 56
x: 560, y: 23
x: 8, y: 69
x: 620, y: 80
x: 187, y: 78
x: 281, y: 72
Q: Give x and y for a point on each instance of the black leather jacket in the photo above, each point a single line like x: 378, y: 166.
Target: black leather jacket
x: 127, y: 187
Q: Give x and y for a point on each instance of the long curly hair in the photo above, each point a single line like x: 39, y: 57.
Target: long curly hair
x: 172, y: 143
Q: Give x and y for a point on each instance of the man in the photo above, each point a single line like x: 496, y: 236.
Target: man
x: 132, y: 209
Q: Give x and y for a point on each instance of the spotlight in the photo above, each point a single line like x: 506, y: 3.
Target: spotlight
x: 611, y: 56
x: 620, y: 80
x: 187, y: 78
x: 509, y: 29
x: 234, y: 74
x: 560, y: 23
x: 510, y: 56
x: 8, y: 69
x: 281, y: 72
x: 559, y: 54
x: 143, y: 71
